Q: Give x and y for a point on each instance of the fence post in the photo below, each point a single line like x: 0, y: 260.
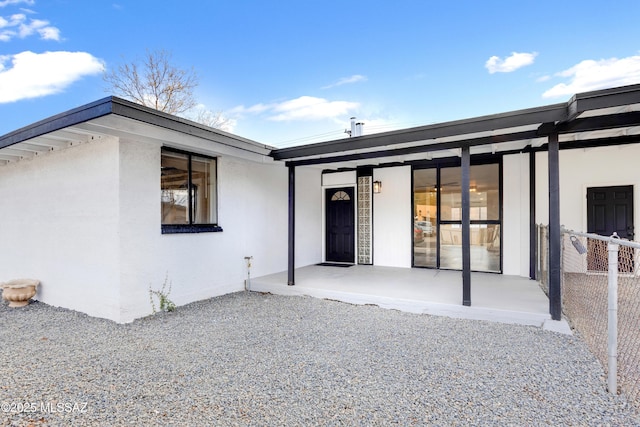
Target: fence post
x: 612, y: 347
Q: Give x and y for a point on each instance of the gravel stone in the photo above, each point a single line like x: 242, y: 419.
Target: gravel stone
x: 259, y: 359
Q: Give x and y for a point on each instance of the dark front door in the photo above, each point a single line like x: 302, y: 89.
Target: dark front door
x: 340, y: 225
x: 609, y: 210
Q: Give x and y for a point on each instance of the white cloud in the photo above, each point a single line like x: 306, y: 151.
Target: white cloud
x: 593, y: 75
x: 4, y: 3
x: 302, y: 108
x: 49, y: 33
x: 18, y: 25
x: 511, y: 63
x: 347, y: 80
x: 32, y: 75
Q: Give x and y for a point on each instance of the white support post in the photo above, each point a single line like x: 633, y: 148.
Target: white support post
x: 612, y: 347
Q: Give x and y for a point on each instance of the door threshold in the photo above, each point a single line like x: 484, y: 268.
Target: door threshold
x: 335, y: 264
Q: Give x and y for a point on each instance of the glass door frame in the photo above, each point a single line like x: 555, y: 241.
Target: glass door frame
x: 440, y: 164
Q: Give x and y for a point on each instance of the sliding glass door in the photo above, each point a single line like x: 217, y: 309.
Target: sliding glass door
x: 437, y: 201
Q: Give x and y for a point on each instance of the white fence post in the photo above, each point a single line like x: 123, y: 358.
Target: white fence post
x: 612, y: 348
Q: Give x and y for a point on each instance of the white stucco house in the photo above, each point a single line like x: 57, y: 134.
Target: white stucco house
x: 96, y: 207
x: 103, y: 202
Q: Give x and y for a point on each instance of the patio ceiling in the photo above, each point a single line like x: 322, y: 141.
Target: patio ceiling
x: 605, y: 117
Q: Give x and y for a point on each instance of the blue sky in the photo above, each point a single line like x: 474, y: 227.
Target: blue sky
x: 289, y: 72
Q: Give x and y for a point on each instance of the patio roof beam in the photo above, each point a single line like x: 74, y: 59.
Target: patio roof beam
x: 610, y: 121
x: 493, y: 139
x: 550, y: 113
x: 587, y: 143
x: 605, y: 98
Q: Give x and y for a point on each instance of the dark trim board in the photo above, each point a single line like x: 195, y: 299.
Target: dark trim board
x: 129, y: 110
x: 550, y: 113
x: 73, y: 117
x: 190, y: 228
x: 420, y: 148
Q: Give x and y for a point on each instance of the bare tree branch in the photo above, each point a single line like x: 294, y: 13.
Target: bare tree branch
x: 155, y: 83
x: 213, y: 119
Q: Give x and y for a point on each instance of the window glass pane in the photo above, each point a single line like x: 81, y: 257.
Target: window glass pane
x: 451, y: 246
x: 485, y: 247
x: 425, y: 215
x: 340, y: 195
x: 174, y: 185
x: 451, y: 194
x: 485, y: 192
x: 202, y: 185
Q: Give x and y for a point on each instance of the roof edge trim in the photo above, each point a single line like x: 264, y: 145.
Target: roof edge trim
x: 72, y: 117
x: 511, y: 119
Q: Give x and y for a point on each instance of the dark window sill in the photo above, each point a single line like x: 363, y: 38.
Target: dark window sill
x: 190, y: 228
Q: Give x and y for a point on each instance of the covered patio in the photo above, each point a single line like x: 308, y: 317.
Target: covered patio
x: 497, y: 298
x: 528, y: 193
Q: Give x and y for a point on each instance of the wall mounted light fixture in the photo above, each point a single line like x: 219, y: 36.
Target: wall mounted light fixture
x: 377, y: 186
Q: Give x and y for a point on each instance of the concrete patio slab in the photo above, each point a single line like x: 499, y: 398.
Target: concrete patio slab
x: 494, y: 297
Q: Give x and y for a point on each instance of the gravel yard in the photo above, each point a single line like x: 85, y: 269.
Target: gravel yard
x: 261, y: 359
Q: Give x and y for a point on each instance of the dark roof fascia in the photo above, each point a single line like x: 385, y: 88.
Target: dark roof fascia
x: 73, y: 117
x: 131, y: 110
x: 604, y: 98
x: 549, y: 113
x: 563, y: 114
x: 610, y: 121
x: 573, y: 145
x: 588, y: 143
x: 493, y: 139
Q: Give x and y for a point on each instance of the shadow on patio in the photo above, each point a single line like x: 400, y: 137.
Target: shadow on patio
x: 494, y: 297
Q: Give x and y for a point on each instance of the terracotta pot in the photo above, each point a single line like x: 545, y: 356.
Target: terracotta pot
x: 18, y: 292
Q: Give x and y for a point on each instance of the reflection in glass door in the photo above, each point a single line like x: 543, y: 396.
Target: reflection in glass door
x: 425, y: 208
x: 442, y: 200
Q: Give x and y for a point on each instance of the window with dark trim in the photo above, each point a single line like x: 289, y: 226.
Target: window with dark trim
x: 188, y: 192
x: 437, y: 216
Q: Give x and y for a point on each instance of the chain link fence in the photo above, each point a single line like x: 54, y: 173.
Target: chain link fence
x: 586, y: 291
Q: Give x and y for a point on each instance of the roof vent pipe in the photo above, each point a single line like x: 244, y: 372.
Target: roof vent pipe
x: 359, y: 128
x: 353, y: 127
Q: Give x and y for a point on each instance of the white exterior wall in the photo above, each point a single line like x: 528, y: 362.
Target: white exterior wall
x: 86, y: 221
x: 59, y: 224
x: 581, y: 169
x: 339, y: 179
x: 252, y: 210
x: 392, y: 226
x: 309, y: 217
x: 515, y: 221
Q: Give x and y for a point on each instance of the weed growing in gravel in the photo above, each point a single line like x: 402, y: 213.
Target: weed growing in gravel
x: 165, y: 304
